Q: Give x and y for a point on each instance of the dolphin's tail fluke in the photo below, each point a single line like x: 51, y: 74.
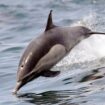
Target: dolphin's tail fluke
x: 96, y: 33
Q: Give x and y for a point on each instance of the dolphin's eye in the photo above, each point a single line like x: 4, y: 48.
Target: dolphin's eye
x: 21, y: 66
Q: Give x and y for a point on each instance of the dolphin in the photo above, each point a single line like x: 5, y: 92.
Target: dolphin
x: 48, y: 49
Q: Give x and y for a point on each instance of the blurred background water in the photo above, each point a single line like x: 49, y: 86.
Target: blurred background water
x: 81, y: 81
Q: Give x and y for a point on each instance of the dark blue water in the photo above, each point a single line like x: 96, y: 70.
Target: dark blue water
x: 81, y: 82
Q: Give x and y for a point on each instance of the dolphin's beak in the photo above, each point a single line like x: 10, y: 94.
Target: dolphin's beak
x: 18, y: 86
x: 96, y: 33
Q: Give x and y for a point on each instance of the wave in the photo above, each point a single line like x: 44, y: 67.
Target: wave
x: 89, y: 49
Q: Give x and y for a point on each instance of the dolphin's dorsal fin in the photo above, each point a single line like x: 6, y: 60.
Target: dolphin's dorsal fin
x: 50, y: 24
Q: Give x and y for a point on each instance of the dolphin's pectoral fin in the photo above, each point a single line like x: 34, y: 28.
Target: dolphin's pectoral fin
x: 56, y: 53
x: 49, y: 73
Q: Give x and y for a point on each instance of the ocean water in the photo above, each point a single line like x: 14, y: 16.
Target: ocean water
x: 82, y: 78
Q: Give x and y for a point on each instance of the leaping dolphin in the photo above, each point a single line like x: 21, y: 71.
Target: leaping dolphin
x: 48, y: 49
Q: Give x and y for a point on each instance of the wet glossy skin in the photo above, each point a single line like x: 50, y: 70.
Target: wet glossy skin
x: 47, y: 49
x: 66, y: 36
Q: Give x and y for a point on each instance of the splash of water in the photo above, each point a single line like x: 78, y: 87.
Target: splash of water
x: 89, y: 49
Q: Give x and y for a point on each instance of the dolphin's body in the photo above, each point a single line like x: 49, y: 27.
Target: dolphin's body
x: 47, y: 49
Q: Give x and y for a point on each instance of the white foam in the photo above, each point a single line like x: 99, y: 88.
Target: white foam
x: 89, y: 49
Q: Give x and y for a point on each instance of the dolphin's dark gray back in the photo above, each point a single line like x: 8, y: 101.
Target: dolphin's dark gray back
x: 47, y: 49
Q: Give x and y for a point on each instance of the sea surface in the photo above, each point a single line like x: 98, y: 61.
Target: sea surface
x: 82, y: 78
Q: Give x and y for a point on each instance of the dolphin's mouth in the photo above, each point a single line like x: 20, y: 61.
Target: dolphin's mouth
x: 18, y: 86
